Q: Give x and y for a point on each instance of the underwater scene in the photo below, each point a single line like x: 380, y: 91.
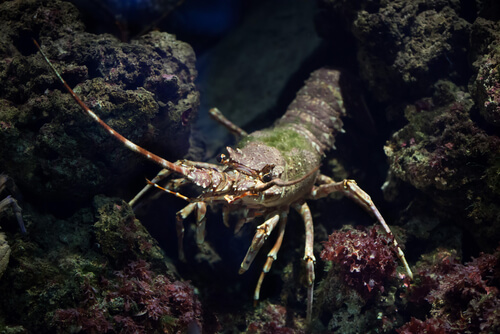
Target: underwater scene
x: 239, y: 166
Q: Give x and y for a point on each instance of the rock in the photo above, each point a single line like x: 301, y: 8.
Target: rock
x: 4, y: 253
x: 403, y: 46
x: 446, y: 155
x: 485, y: 88
x: 143, y: 89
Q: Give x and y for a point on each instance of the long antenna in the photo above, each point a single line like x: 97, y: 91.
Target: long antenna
x: 130, y: 145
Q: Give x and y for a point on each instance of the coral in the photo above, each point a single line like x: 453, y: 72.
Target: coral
x: 344, y: 308
x: 358, y: 294
x: 272, y: 319
x: 145, y: 89
x: 365, y: 259
x: 135, y: 300
x: 462, y: 298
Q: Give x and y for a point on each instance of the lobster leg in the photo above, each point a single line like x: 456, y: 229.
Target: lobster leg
x: 263, y: 232
x: 160, y: 176
x: 248, y: 216
x: 230, y: 126
x: 323, y: 179
x: 201, y: 219
x: 201, y: 210
x: 305, y: 212
x: 272, y: 255
x: 358, y: 195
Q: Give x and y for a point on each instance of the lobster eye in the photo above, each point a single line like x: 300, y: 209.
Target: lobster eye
x: 220, y: 158
x: 267, y: 177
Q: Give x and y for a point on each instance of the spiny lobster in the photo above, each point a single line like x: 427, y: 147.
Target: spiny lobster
x: 268, y: 172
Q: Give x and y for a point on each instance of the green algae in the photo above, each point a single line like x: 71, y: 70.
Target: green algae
x: 284, y: 139
x: 291, y: 144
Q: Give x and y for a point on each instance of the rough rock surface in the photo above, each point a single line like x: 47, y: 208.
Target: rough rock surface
x: 431, y: 71
x: 486, y: 86
x: 403, y: 46
x: 4, y: 253
x: 61, y: 266
x: 59, y: 157
x: 416, y: 59
x: 446, y: 155
x: 144, y: 90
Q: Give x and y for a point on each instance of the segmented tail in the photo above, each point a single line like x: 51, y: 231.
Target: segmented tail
x: 316, y: 110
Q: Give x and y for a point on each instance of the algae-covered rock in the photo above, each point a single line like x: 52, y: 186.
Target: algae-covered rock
x: 143, y: 89
x: 4, y: 253
x: 417, y: 59
x: 59, y: 157
x: 121, y: 236
x: 47, y: 268
x: 445, y: 154
x: 486, y: 86
x: 403, y: 46
x: 65, y: 264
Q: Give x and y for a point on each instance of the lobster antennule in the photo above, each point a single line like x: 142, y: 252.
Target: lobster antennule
x: 176, y: 194
x: 130, y: 145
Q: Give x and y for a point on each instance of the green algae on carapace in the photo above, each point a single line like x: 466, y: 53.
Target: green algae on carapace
x: 294, y: 148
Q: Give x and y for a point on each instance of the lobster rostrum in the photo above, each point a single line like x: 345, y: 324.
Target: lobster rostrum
x: 269, y: 172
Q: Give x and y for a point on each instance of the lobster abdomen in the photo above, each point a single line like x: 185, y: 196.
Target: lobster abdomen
x: 296, y: 143
x: 316, y: 110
